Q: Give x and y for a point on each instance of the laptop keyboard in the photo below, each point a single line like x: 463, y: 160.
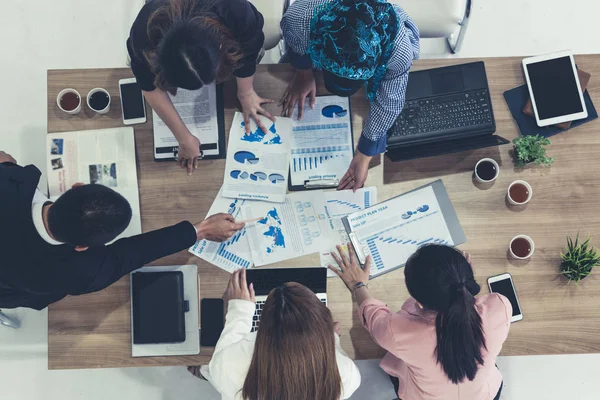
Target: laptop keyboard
x: 258, y: 312
x: 445, y: 114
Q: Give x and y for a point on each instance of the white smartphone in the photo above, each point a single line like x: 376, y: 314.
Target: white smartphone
x: 503, y: 284
x: 554, y: 88
x: 132, y: 102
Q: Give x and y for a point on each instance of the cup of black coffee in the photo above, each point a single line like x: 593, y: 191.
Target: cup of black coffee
x: 98, y: 100
x: 521, y: 247
x: 486, y: 170
x: 69, y: 101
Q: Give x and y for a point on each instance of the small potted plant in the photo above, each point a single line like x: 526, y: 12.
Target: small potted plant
x: 531, y: 150
x: 578, y: 260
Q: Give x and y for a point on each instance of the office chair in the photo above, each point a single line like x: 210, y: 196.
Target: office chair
x: 9, y: 321
x: 440, y: 19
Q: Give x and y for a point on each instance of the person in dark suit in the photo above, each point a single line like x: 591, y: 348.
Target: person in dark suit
x: 51, y: 250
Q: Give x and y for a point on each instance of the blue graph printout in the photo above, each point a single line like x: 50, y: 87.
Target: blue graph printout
x: 257, y: 164
x: 393, y: 230
x: 341, y: 204
x: 297, y: 227
x: 321, y: 141
x: 232, y: 254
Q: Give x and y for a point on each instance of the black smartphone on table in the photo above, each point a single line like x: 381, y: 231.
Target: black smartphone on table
x: 212, y: 321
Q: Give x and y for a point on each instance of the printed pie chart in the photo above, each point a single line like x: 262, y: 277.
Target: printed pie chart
x: 258, y: 176
x: 276, y: 178
x: 237, y: 174
x: 245, y: 157
x: 333, y: 111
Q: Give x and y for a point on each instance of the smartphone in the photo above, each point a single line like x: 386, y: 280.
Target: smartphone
x: 132, y: 102
x: 212, y: 320
x: 503, y: 284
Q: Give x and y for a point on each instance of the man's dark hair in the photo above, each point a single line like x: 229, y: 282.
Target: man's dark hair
x: 89, y: 215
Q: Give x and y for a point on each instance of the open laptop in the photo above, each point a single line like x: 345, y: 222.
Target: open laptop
x: 267, y: 279
x: 447, y: 110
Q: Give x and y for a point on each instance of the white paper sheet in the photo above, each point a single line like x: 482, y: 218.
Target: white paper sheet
x: 295, y: 228
x: 198, y: 111
x: 340, y: 204
x: 104, y: 156
x: 232, y: 254
x: 322, y: 141
x: 257, y: 165
x: 393, y: 230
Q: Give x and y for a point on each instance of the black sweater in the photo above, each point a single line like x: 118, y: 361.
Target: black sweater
x: 34, y: 273
x: 240, y: 16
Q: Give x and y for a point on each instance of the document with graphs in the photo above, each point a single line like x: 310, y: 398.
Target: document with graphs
x: 322, y: 143
x: 391, y: 231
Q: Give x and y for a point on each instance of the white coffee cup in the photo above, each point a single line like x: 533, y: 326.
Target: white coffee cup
x: 98, y: 90
x: 531, y: 244
x: 514, y: 202
x: 491, y: 160
x: 63, y: 92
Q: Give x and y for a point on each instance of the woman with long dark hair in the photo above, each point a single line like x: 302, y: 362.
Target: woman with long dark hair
x: 294, y: 355
x: 188, y: 44
x: 444, y: 342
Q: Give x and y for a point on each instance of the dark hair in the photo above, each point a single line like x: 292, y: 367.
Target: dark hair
x: 189, y: 46
x: 294, y: 354
x: 441, y: 279
x: 88, y: 215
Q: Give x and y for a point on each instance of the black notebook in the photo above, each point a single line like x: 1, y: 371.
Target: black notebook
x: 158, y: 307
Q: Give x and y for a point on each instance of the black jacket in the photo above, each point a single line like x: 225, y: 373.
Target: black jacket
x: 35, y: 274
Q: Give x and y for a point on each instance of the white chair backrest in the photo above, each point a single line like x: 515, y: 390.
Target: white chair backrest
x: 434, y: 18
x: 272, y: 11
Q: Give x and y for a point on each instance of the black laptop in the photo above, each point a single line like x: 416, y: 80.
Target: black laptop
x: 447, y: 110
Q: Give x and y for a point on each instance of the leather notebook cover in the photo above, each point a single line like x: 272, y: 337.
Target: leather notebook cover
x: 158, y: 307
x: 584, y: 79
x: 515, y: 98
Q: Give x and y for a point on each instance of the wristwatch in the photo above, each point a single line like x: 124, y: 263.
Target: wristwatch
x: 359, y: 285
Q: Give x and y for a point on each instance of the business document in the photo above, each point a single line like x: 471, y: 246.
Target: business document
x: 233, y: 253
x: 391, y: 231
x: 322, y: 144
x: 198, y: 111
x: 257, y: 164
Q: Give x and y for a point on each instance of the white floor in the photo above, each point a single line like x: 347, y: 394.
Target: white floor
x: 36, y: 35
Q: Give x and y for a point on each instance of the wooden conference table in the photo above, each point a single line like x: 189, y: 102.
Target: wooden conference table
x: 93, y: 331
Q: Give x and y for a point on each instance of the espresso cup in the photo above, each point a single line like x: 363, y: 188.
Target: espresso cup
x: 69, y: 101
x: 519, y: 193
x: 486, y: 166
x: 521, y: 247
x: 102, y: 108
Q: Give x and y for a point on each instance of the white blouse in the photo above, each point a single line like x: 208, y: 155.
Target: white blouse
x: 230, y: 362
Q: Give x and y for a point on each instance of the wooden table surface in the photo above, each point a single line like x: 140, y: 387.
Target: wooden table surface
x: 93, y: 331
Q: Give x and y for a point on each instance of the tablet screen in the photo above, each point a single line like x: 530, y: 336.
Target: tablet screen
x: 554, y: 88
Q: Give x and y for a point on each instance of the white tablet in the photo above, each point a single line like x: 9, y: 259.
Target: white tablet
x: 554, y: 88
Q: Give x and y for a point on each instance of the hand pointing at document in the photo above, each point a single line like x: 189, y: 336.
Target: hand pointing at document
x: 218, y: 228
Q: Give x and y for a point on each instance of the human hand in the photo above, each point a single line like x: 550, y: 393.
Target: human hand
x: 5, y: 157
x: 238, y: 288
x: 349, y: 269
x: 357, y: 173
x: 468, y: 257
x: 303, y: 84
x: 251, y: 107
x: 218, y: 227
x: 188, y: 154
x: 337, y: 328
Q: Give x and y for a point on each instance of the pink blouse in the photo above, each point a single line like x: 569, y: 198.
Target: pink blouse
x: 410, y: 339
